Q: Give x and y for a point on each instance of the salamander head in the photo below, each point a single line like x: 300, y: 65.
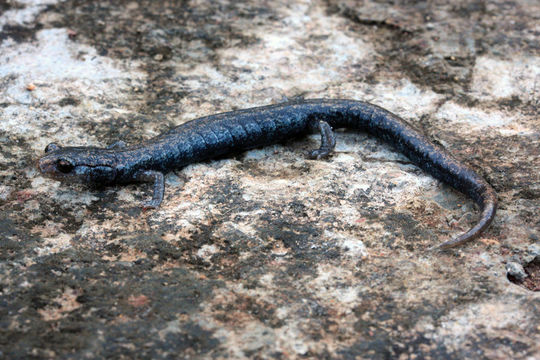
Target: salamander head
x: 81, y: 164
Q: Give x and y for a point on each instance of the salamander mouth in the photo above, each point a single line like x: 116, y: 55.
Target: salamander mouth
x: 48, y: 168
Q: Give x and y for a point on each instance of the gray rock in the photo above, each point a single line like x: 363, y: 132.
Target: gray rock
x: 516, y: 270
x: 533, y: 252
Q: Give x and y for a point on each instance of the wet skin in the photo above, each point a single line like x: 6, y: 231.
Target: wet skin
x: 220, y: 134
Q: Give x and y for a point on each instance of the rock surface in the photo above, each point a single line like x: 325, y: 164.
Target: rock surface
x: 268, y: 254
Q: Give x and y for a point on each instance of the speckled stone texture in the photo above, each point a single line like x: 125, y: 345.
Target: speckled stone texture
x: 268, y: 254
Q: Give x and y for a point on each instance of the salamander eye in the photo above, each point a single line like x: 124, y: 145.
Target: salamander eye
x: 52, y: 147
x: 64, y: 166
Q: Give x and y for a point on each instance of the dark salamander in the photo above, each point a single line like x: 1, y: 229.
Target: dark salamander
x: 220, y: 134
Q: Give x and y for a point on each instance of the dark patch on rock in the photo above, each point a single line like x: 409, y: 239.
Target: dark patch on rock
x: 161, y: 53
x: 287, y: 168
x: 259, y: 309
x: 159, y: 94
x: 123, y: 128
x: 67, y: 101
x: 511, y: 103
x: 302, y: 239
x: 402, y: 225
x: 156, y: 248
x: 168, y: 294
x: 10, y: 243
x: 351, y: 14
x: 19, y: 33
x: 4, y: 5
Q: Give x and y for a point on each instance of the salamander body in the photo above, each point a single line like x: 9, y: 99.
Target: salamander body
x: 217, y: 135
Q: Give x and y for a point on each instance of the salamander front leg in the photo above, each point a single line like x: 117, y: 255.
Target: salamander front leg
x: 156, y: 178
x: 328, y: 141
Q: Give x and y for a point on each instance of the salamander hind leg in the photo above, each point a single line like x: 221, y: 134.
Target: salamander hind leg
x: 157, y: 179
x: 328, y: 141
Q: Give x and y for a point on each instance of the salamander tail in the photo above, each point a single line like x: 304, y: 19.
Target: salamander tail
x: 488, y: 203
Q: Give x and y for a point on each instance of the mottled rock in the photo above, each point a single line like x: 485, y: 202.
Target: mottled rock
x: 268, y: 254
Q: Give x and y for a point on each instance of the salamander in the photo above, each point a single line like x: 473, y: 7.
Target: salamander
x: 220, y: 134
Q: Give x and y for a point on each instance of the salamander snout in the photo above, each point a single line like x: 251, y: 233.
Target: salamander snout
x: 78, y: 164
x: 54, y: 167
